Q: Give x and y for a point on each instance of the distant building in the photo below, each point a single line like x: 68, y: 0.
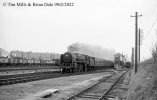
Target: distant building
x: 119, y: 61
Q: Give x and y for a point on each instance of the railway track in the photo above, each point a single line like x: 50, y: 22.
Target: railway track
x: 100, y: 90
x: 23, y: 78
x: 26, y: 78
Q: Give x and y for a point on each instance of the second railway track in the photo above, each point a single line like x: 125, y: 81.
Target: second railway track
x: 26, y: 78
x: 100, y: 90
x: 23, y: 78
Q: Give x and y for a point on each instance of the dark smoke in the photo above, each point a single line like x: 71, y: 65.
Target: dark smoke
x: 95, y: 51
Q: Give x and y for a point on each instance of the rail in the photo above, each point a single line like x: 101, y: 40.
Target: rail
x: 89, y: 92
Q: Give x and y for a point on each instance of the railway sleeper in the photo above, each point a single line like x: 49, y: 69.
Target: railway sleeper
x: 25, y: 80
x: 3, y: 83
x: 109, y: 81
x: 93, y: 94
x: 115, y: 97
x: 10, y: 82
x: 121, y: 87
x: 34, y: 79
x: 31, y: 79
x: 19, y: 81
x: 90, y: 96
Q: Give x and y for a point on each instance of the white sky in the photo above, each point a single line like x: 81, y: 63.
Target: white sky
x: 106, y: 23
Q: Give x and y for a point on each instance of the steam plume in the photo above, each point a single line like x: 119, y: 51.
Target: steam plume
x: 95, y: 51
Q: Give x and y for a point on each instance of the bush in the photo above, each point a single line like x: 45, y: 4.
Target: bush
x: 154, y: 53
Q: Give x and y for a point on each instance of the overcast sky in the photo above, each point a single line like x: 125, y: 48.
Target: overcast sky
x: 106, y: 23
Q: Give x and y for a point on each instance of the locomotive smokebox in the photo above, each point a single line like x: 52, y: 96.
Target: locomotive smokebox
x: 67, y: 57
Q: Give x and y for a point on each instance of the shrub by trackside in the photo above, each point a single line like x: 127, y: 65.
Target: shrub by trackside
x: 154, y: 53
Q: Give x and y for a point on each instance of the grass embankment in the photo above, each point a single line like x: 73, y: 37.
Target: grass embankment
x: 143, y: 85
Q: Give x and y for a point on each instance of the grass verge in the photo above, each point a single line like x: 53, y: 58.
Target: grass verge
x: 143, y: 85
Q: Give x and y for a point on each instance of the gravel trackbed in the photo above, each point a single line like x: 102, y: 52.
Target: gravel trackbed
x: 67, y: 86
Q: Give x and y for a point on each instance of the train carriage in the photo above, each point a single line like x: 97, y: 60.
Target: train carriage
x: 99, y: 63
x: 36, y: 62
x: 56, y: 62
x: 42, y: 62
x: 16, y: 61
x: 31, y: 62
x: 4, y: 61
x: 91, y: 63
x: 22, y: 61
x: 49, y: 62
x: 25, y: 61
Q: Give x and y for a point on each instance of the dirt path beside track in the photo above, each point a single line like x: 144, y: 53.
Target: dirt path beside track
x: 67, y: 85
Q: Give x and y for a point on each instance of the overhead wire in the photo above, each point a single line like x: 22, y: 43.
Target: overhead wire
x: 151, y: 27
x: 153, y: 24
x: 155, y: 21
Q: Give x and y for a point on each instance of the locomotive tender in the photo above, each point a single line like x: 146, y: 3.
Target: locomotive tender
x: 75, y: 62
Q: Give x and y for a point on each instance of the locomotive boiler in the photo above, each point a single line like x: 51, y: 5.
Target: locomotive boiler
x: 74, y: 62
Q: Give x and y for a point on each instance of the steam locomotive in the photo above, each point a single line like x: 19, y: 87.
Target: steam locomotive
x: 76, y: 62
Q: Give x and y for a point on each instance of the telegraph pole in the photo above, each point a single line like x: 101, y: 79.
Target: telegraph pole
x: 132, y: 58
x: 136, y: 38
x: 139, y: 42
